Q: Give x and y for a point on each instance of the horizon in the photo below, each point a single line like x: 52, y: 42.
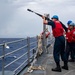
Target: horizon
x: 16, y: 21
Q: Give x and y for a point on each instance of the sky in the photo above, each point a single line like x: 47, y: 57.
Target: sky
x: 17, y: 22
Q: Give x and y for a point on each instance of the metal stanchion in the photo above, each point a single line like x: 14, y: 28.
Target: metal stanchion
x: 28, y: 42
x: 44, y: 35
x: 3, y: 53
x: 44, y: 38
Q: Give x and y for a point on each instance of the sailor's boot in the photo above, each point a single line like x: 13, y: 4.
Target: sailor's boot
x: 65, y: 65
x: 57, y: 69
x: 71, y: 60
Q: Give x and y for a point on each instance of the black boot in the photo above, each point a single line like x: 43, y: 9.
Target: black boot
x: 65, y: 66
x: 57, y: 69
x: 71, y: 60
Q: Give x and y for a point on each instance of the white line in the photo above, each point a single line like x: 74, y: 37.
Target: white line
x: 72, y: 65
x: 69, y: 72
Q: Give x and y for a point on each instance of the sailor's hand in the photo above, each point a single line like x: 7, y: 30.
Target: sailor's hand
x: 43, y: 17
x: 45, y: 21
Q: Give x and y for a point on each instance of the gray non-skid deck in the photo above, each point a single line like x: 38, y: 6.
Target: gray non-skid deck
x: 46, y: 61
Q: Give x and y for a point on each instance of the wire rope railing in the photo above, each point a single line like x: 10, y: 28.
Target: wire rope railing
x: 27, y: 54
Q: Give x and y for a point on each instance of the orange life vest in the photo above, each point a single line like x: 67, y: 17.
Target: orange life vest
x: 58, y: 30
x: 70, y: 35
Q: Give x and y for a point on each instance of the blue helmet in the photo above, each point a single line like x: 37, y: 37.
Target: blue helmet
x: 55, y: 17
x: 69, y: 22
x: 72, y: 24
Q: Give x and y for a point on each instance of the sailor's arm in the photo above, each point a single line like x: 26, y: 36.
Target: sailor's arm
x: 65, y: 28
x: 50, y: 22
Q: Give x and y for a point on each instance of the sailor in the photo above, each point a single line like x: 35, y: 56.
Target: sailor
x: 67, y: 32
x: 59, y: 44
x: 70, y: 37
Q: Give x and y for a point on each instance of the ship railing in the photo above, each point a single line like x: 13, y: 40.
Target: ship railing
x: 28, y: 54
x: 31, y: 53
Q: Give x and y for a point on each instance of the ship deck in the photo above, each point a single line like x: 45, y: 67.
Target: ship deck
x: 47, y: 62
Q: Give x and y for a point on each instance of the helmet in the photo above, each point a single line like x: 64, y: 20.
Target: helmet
x: 55, y: 17
x: 72, y: 24
x: 69, y: 22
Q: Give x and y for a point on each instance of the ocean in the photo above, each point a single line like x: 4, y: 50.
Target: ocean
x: 12, y: 57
